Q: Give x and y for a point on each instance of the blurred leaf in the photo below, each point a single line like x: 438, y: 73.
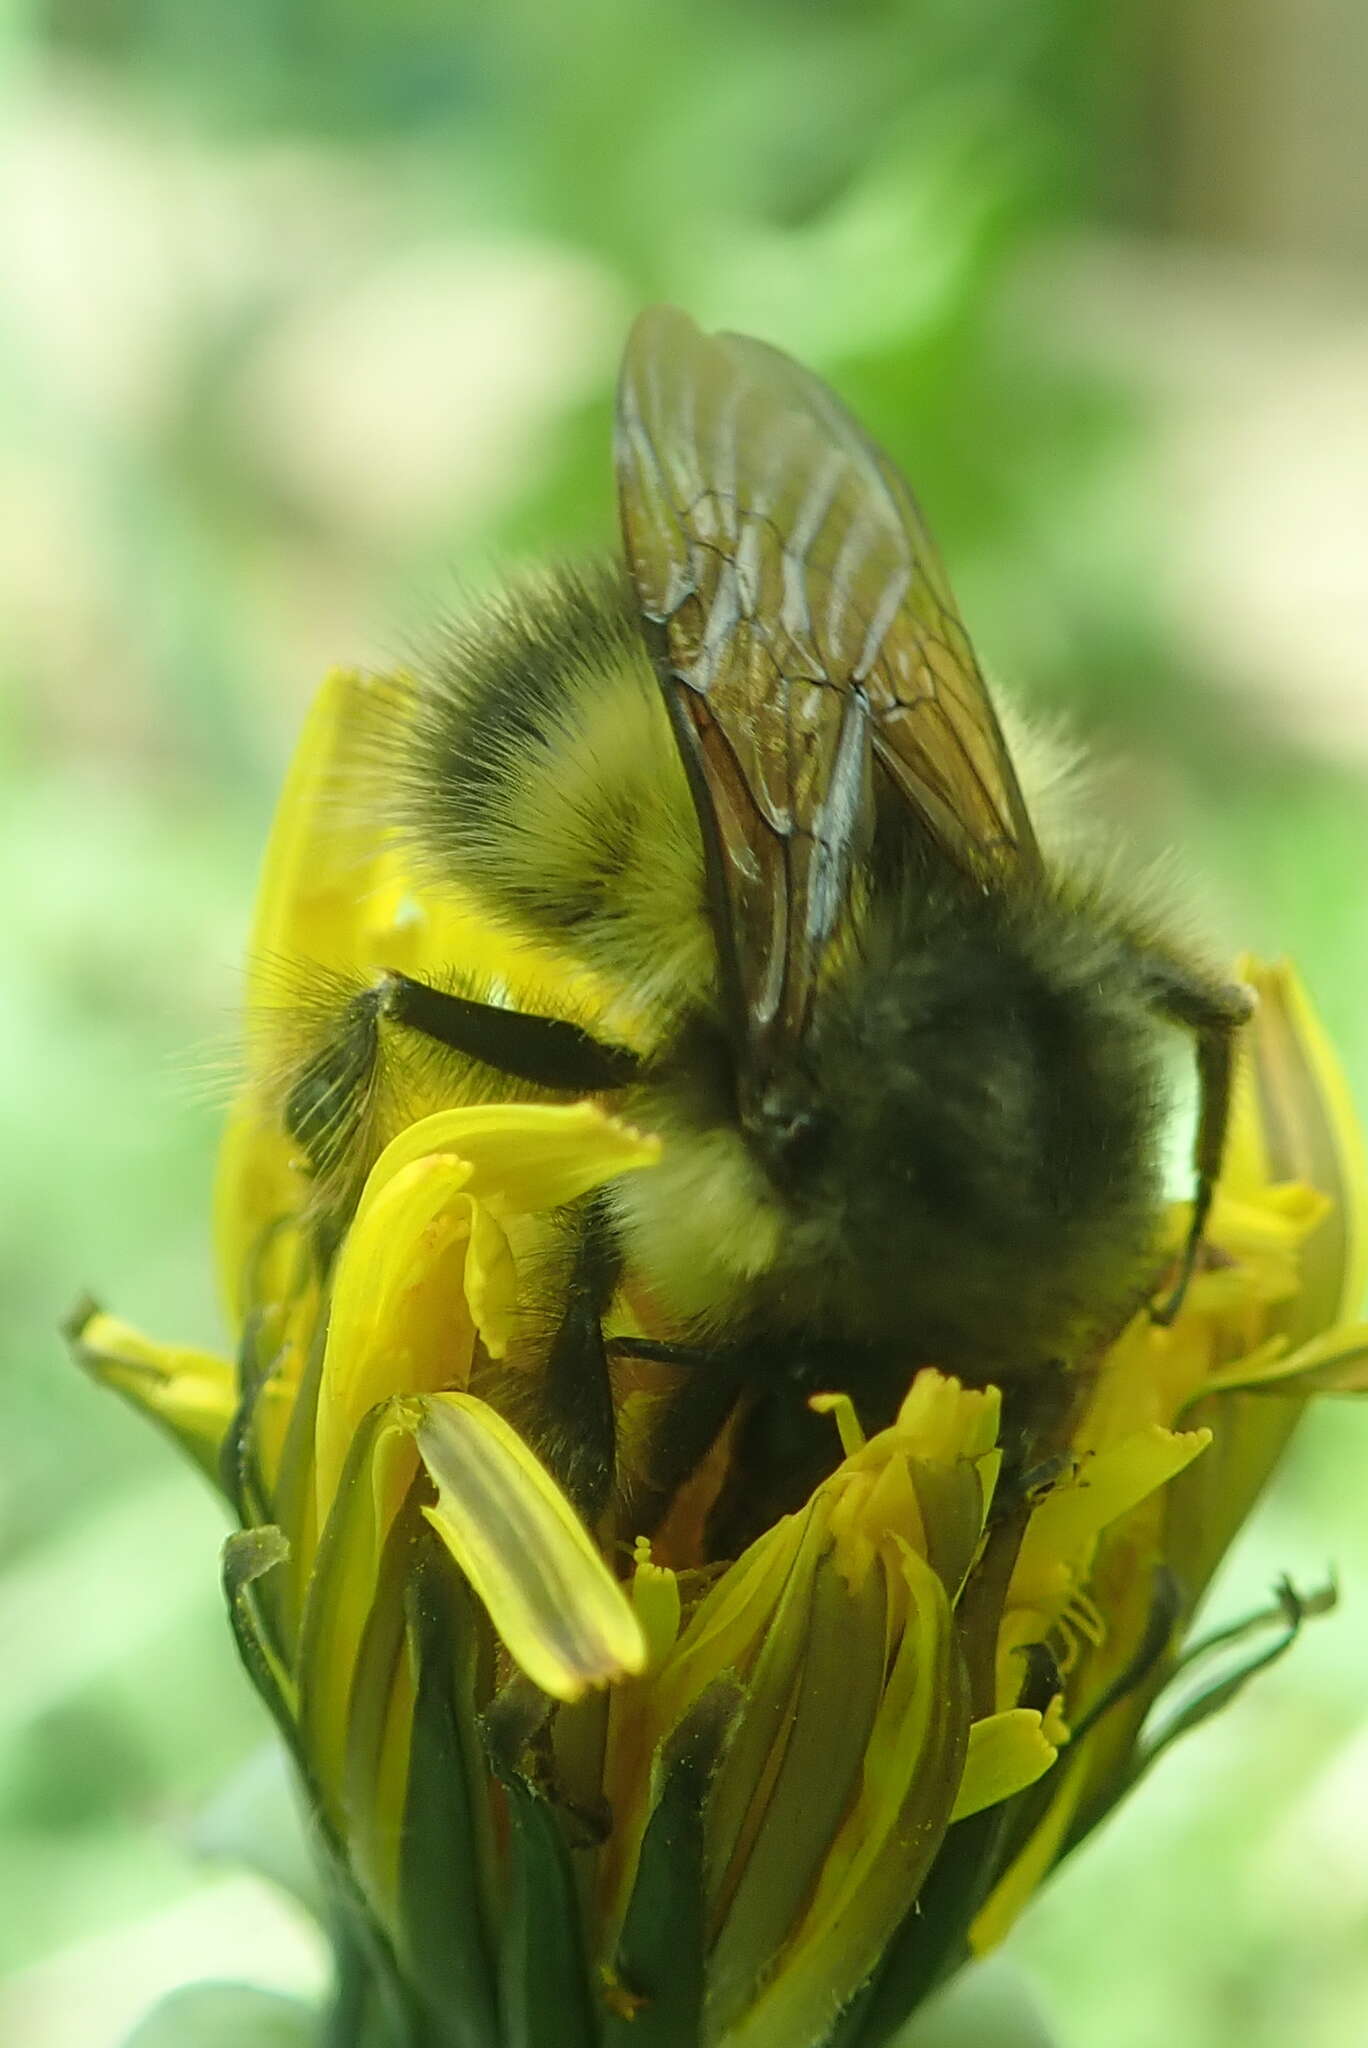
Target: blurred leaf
x: 257, y: 1820
x: 989, y: 2006
x: 227, y: 2016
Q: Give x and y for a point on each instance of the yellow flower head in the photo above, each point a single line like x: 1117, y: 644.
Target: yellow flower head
x: 580, y: 1787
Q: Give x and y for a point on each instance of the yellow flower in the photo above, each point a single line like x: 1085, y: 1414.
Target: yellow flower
x: 1265, y: 1324
x: 572, y: 1787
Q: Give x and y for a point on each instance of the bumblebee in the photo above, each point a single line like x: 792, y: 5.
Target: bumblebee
x: 908, y: 1067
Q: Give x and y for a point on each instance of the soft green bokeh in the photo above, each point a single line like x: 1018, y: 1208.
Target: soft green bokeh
x: 309, y: 322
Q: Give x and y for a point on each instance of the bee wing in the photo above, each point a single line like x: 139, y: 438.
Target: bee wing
x: 804, y: 628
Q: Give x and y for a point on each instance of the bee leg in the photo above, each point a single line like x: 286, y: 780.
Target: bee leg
x: 1213, y: 1011
x: 333, y: 1093
x: 667, y: 1354
x: 329, y: 1095
x: 549, y: 1052
x: 697, y: 1411
x: 575, y: 1428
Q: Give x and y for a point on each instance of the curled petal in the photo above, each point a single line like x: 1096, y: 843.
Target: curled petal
x: 190, y: 1393
x: 1006, y: 1753
x: 427, y: 1268
x: 1336, y: 1362
x: 1059, y: 1537
x: 402, y: 1317
x: 523, y: 1156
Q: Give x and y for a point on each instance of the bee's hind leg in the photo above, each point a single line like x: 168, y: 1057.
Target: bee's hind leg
x: 1214, y: 1012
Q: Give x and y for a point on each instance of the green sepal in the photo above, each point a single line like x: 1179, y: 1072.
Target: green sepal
x: 239, y: 1472
x: 257, y: 1819
x: 294, y: 1503
x: 1146, y: 1661
x: 369, y: 2007
x: 443, y: 1879
x: 659, y: 1966
x: 544, y: 1986
x: 227, y: 2016
x: 1142, y: 1674
x: 378, y: 1653
x: 372, y: 2005
x: 1287, y: 1614
x: 248, y: 1555
x: 351, y: 1627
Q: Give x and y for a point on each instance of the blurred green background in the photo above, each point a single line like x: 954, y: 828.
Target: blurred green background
x: 309, y: 312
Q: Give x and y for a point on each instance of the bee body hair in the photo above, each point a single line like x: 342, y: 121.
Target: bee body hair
x: 536, y: 763
x: 980, y: 1170
x: 983, y: 1085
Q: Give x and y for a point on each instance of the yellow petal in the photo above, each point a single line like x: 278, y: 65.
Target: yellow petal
x: 523, y: 1156
x: 343, y: 1591
x: 725, y: 1634
x: 1295, y: 1125
x: 1277, y: 1220
x: 655, y: 1596
x: 946, y: 1421
x: 1334, y: 1363
x: 814, y: 1709
x: 323, y: 851
x: 866, y: 1507
x: 320, y: 863
x: 1309, y: 1132
x: 257, y: 1187
x: 562, y: 1615
x: 1265, y: 1365
x: 1106, y: 1485
x: 727, y: 1627
x: 402, y: 1319
x: 190, y: 1393
x: 912, y: 1765
x: 1014, y: 1891
x: 771, y: 1666
x: 926, y: 1480
x: 1007, y: 1752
